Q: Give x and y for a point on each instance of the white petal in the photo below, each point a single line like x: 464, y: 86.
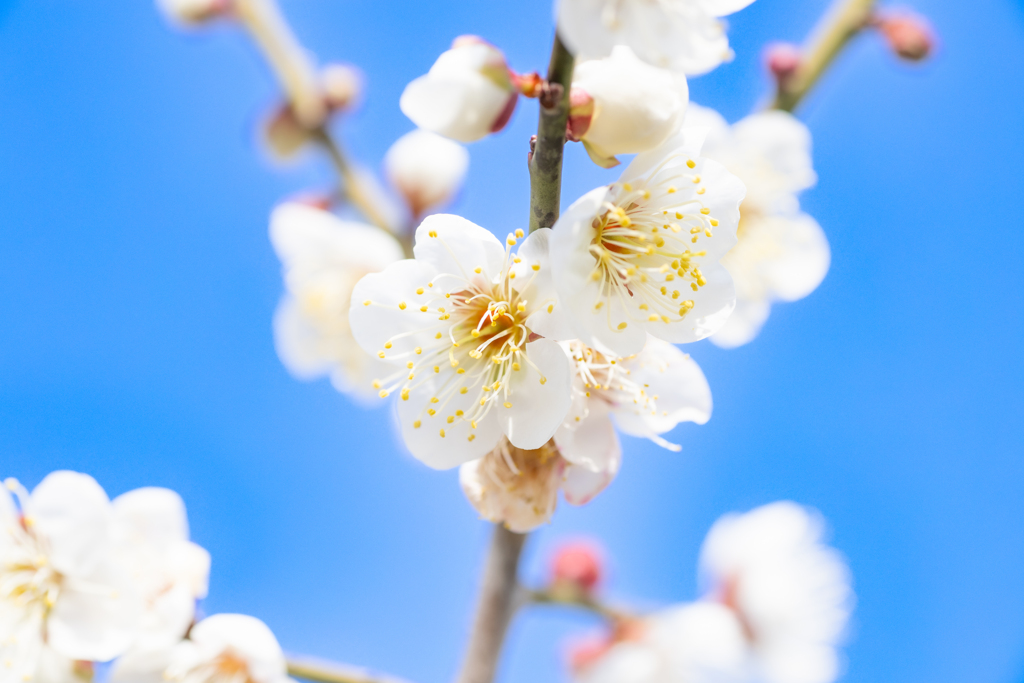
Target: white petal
x: 534, y: 280
x: 150, y: 515
x: 455, y: 447
x: 743, y: 325
x: 8, y: 511
x: 246, y: 637
x: 803, y: 258
x: 713, y: 303
x: 460, y: 246
x: 426, y: 169
x: 721, y: 8
x: 637, y: 106
x: 72, y: 512
x: 682, y: 391
x: 95, y: 616
x: 540, y: 396
x: 307, y: 237
x: 141, y: 666
x: 781, y: 142
x: 592, y: 442
x: 384, y: 319
x: 299, y: 344
x: 463, y: 108
x: 582, y: 484
x: 702, y: 641
x: 686, y: 143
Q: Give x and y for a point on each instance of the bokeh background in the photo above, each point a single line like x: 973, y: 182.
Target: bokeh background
x: 137, y: 286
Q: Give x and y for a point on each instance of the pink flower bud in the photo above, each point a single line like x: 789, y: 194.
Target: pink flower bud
x: 578, y: 564
x: 342, y: 86
x: 581, y: 113
x: 782, y: 59
x: 910, y: 35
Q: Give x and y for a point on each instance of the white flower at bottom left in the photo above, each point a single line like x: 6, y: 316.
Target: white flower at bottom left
x: 62, y: 593
x: 228, y: 648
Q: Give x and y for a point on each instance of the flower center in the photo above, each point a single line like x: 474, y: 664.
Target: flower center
x: 27, y: 580
x: 478, y: 345
x: 607, y: 379
x: 643, y: 248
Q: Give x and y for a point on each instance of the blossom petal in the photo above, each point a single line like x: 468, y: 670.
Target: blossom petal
x: 713, y: 304
x: 679, y: 390
x: 385, y: 311
x: 701, y: 641
x: 582, y: 484
x: 463, y: 107
x: 743, y: 325
x: 721, y: 8
x: 150, y: 515
x: 592, y: 442
x: 298, y: 343
x: 305, y: 236
x: 422, y: 431
x: 95, y: 618
x: 72, y: 512
x: 804, y: 257
x: 540, y: 396
x: 451, y: 244
x: 534, y: 280
x: 781, y: 141
x: 426, y: 168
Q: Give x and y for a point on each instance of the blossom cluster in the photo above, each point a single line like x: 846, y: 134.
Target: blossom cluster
x: 775, y: 604
x: 519, y: 360
x: 85, y: 579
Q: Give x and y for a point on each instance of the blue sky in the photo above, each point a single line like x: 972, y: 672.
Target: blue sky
x: 138, y: 286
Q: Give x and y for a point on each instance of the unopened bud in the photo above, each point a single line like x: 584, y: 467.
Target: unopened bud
x: 283, y: 133
x: 192, y: 12
x: 342, y: 86
x: 426, y: 169
x: 910, y: 35
x: 528, y: 84
x: 581, y: 113
x: 783, y: 59
x: 578, y: 565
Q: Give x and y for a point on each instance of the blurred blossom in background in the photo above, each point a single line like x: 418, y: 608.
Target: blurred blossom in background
x: 139, y: 289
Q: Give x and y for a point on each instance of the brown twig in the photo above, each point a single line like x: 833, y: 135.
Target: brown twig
x: 546, y: 154
x: 495, y: 607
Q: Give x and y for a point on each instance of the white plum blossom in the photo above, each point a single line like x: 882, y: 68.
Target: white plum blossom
x: 169, y: 571
x: 323, y: 257
x: 621, y: 105
x: 463, y: 325
x: 467, y: 94
x: 426, y: 169
x: 644, y: 395
x: 682, y: 35
x: 781, y: 253
x: 641, y: 256
x: 790, y: 591
x: 63, y: 595
x: 228, y: 648
x: 700, y: 642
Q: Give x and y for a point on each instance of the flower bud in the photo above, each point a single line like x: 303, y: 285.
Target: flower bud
x: 193, y: 12
x: 426, y: 169
x: 342, y: 86
x: 782, y: 59
x: 910, y: 35
x: 581, y: 112
x: 578, y: 565
x: 635, y: 106
x: 283, y: 134
x: 467, y: 94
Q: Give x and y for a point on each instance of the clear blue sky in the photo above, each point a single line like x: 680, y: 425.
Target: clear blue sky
x: 138, y: 285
